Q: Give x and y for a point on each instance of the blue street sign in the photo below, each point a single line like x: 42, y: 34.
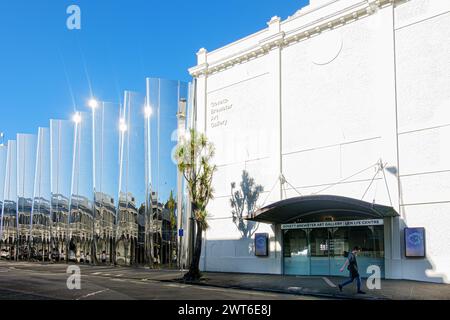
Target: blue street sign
x: 180, y: 232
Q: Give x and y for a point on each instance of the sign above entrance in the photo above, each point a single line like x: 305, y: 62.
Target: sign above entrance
x: 333, y: 224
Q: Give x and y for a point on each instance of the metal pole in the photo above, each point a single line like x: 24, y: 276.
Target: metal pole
x: 93, y: 258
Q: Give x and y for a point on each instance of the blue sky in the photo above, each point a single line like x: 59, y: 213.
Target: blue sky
x: 43, y: 65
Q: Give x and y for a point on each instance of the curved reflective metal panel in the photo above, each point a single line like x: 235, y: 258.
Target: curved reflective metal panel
x: 26, y: 166
x: 163, y: 99
x: 186, y: 118
x: 106, y: 178
x: 101, y: 188
x: 81, y: 221
x: 61, y: 156
x: 132, y: 178
x: 41, y: 210
x: 8, y: 226
x: 3, y: 155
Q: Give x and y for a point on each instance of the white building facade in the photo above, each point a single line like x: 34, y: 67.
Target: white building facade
x: 344, y: 105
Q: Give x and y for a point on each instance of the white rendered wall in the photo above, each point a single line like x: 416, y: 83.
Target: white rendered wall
x: 240, y: 123
x: 338, y: 109
x: 423, y: 84
x: 377, y: 87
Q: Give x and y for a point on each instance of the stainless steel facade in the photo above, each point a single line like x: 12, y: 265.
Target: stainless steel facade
x: 96, y: 188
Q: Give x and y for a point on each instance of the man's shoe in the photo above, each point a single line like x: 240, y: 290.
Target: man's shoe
x: 340, y: 288
x: 361, y: 292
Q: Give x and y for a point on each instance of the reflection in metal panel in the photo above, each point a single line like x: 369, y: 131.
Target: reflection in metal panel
x: 162, y: 98
x: 186, y: 118
x: 8, y: 227
x: 97, y: 189
x: 132, y: 177
x: 61, y: 155
x: 40, y: 218
x: 26, y: 165
x: 106, y: 178
x: 3, y: 157
x: 81, y: 199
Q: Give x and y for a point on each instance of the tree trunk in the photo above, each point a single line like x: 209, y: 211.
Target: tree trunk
x: 94, y: 243
x: 152, y: 247
x: 170, y: 249
x: 194, y: 269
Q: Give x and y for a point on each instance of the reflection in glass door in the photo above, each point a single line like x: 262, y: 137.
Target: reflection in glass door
x: 321, y: 251
x: 296, y: 253
x: 320, y: 248
x: 338, y: 245
x: 371, y: 241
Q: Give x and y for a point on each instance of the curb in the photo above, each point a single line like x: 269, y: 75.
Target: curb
x: 311, y: 294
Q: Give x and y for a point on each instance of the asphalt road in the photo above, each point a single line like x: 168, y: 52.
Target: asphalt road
x: 24, y: 281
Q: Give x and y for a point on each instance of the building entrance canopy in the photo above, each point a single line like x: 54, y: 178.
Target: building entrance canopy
x: 303, y: 208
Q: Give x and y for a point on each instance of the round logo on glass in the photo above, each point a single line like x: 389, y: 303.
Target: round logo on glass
x: 260, y: 242
x: 415, y: 238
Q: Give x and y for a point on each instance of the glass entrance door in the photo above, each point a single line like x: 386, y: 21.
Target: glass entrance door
x: 338, y: 245
x: 320, y: 251
x: 296, y: 252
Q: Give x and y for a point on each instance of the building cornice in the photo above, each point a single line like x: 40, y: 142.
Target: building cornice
x: 282, y: 39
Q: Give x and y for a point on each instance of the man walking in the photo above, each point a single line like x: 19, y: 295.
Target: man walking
x: 352, y: 266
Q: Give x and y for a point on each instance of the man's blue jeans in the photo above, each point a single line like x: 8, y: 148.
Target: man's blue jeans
x: 353, y: 277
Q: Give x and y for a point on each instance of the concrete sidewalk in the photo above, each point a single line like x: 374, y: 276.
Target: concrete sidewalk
x: 328, y: 286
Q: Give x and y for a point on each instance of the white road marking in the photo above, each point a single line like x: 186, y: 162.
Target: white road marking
x: 96, y: 273
x: 173, y: 285
x: 230, y: 290
x: 119, y: 275
x: 295, y: 288
x: 92, y: 294
x: 329, y: 282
